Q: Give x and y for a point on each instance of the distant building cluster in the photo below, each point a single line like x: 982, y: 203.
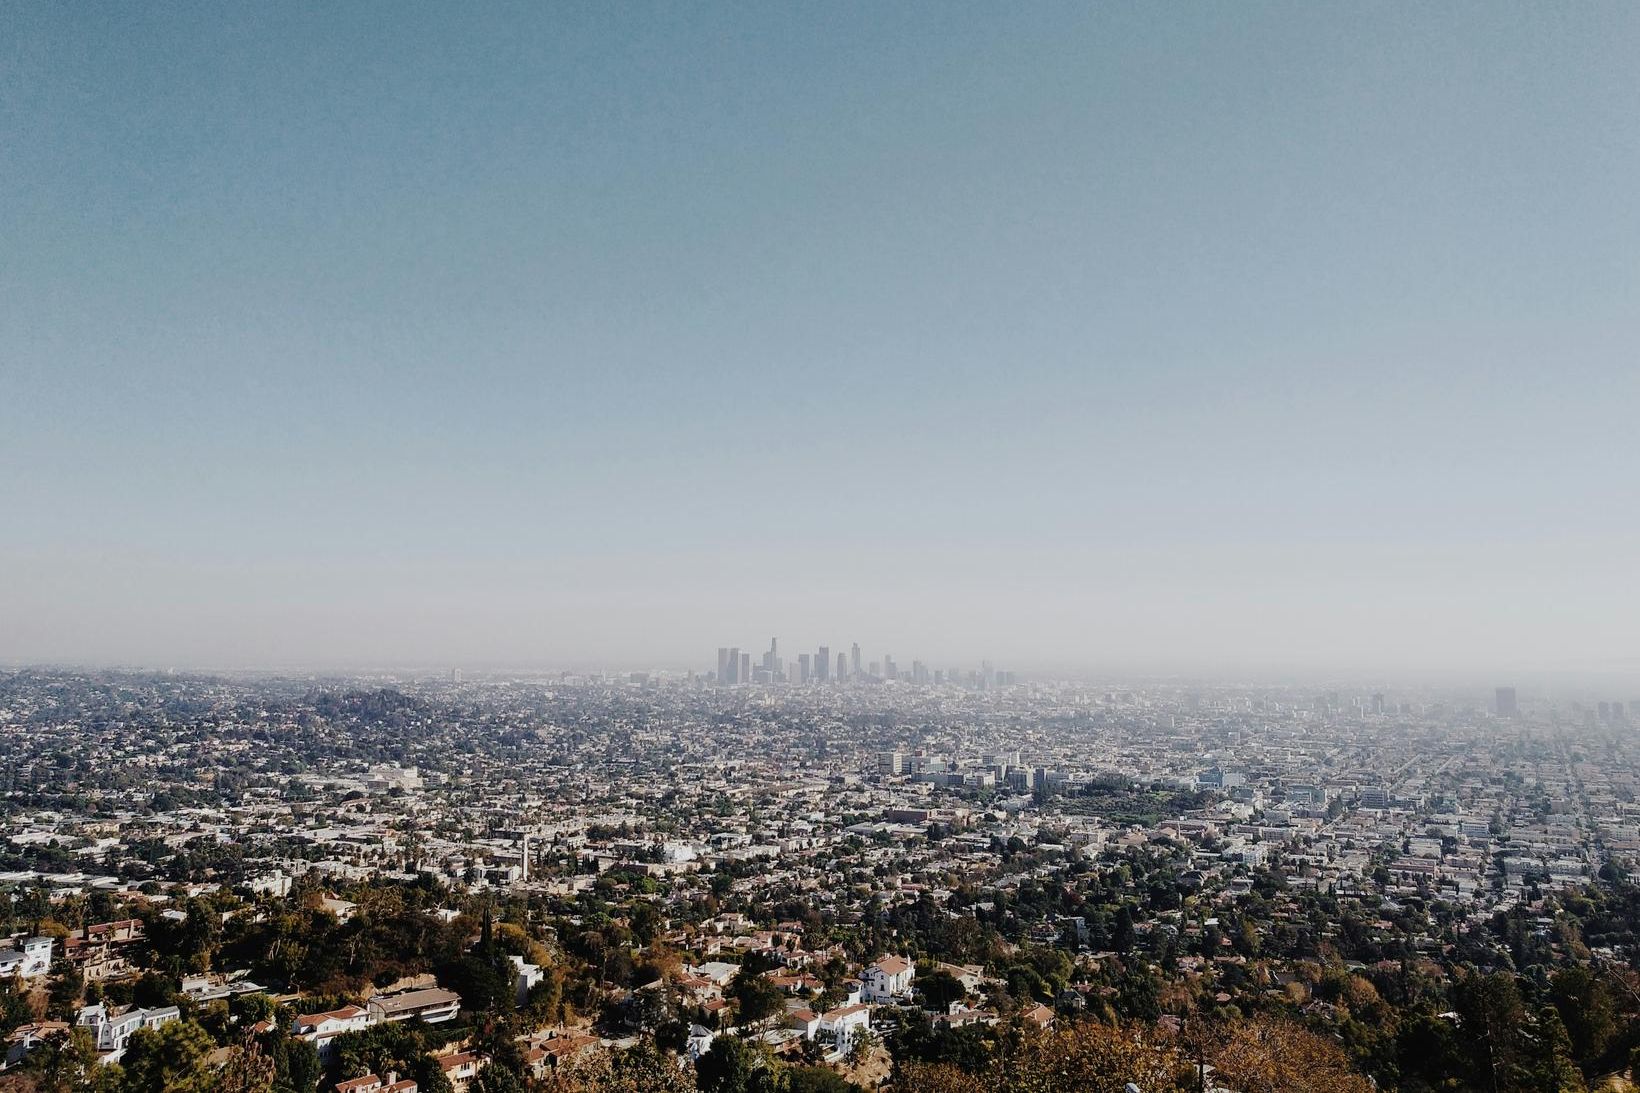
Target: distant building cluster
x: 735, y: 666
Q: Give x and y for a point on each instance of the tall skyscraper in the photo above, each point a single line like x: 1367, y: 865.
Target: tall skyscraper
x: 842, y: 667
x: 745, y: 675
x: 802, y: 667
x: 734, y: 664
x: 854, y: 659
x: 822, y: 664
x: 723, y: 664
x: 1505, y: 702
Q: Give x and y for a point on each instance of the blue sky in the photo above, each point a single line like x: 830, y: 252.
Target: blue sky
x: 1129, y: 336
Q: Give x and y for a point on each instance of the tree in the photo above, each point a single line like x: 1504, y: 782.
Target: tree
x: 496, y: 1079
x: 939, y: 989
x: 1280, y: 1056
x: 756, y: 998
x: 69, y: 1064
x: 1584, y: 1001
x: 641, y: 1069
x: 63, y: 993
x: 816, y: 1079
x: 296, y: 1066
x: 14, y: 1007
x: 246, y: 1070
x: 732, y: 1065
x: 1085, y: 1056
x: 169, y: 1059
x: 1492, y: 1017
x: 1554, y: 1070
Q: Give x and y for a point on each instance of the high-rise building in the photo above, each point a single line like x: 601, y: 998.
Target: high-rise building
x: 854, y: 660
x: 893, y: 763
x: 723, y: 664
x: 842, y: 667
x: 1504, y: 700
x: 822, y: 664
x: 802, y: 667
x: 734, y: 664
x: 745, y: 674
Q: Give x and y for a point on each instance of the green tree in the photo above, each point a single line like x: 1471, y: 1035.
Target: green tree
x: 755, y: 997
x: 69, y: 1064
x: 733, y: 1065
x: 816, y: 1079
x: 169, y: 1059
x: 63, y: 992
x: 1554, y: 1070
x: 939, y: 989
x: 1584, y: 1001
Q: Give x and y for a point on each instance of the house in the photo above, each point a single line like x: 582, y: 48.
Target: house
x: 370, y: 1083
x: 115, y: 933
x: 112, y: 1029
x: 341, y: 908
x: 717, y: 971
x: 1039, y: 1015
x: 888, y: 980
x: 805, y: 1021
x: 321, y: 1028
x: 558, y: 1050
x: 30, y: 960
x: 431, y: 1005
x: 22, y: 1040
x: 525, y: 976
x: 845, y: 1023
x: 462, y: 1068
x: 699, y: 1041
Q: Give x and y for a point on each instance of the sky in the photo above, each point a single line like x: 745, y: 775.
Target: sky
x: 1163, y: 337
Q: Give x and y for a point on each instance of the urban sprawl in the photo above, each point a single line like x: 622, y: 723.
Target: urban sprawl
x: 811, y: 876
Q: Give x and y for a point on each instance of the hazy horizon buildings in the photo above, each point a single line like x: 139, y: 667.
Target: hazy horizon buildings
x: 820, y: 667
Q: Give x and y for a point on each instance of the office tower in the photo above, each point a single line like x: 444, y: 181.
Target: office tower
x: 889, y: 670
x: 734, y: 664
x: 772, y: 656
x: 854, y: 660
x: 1505, y: 700
x: 723, y: 664
x: 842, y: 667
x: 802, y: 667
x: 745, y: 675
x: 822, y: 664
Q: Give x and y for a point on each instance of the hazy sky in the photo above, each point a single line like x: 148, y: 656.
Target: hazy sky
x: 1120, y: 335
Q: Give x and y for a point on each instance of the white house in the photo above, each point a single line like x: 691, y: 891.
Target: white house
x: 321, y: 1028
x: 525, y: 976
x: 699, y: 1042
x: 30, y: 960
x: 113, y: 1029
x: 888, y: 980
x: 843, y: 1024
